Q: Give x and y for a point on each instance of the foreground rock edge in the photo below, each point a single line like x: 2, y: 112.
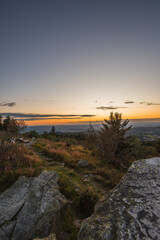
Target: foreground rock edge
x: 31, y: 208
x: 131, y: 210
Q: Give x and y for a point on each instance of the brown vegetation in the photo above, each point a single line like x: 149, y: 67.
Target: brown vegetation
x: 107, y: 152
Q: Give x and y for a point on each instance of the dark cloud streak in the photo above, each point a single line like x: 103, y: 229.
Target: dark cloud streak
x: 35, y: 119
x: 46, y: 116
x: 109, y: 107
x: 129, y: 102
x: 8, y: 104
x: 150, y: 103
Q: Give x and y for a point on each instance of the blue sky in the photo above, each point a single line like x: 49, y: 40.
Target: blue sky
x: 80, y: 57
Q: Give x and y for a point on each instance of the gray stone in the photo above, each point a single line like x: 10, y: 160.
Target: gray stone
x: 132, y: 210
x: 31, y: 208
x: 82, y: 163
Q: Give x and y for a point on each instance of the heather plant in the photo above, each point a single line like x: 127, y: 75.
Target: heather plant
x: 17, y: 160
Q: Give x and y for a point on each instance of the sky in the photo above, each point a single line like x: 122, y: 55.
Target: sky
x: 67, y: 61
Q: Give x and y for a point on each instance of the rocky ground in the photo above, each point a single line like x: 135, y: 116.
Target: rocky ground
x: 82, y: 181
x: 33, y: 207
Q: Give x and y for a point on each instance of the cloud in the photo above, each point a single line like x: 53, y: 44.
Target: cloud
x: 38, y: 118
x: 87, y: 115
x: 35, y: 116
x: 109, y: 107
x: 129, y: 102
x: 142, y: 103
x: 150, y: 103
x: 8, y: 104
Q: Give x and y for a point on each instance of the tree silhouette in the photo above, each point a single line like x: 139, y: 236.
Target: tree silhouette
x: 53, y: 131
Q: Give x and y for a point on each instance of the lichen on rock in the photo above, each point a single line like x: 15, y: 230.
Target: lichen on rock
x: 31, y: 208
x: 132, y: 210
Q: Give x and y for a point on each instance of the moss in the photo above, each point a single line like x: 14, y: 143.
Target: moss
x: 68, y: 225
x: 85, y: 203
x: 67, y: 188
x: 6, y: 181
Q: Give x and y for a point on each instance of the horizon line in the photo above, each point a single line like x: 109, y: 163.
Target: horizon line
x: 142, y: 120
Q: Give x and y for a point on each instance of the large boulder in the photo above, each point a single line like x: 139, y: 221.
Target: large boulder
x: 31, y: 208
x: 132, y: 210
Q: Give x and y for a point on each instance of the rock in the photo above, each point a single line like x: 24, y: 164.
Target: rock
x: 86, y: 176
x: 132, y: 210
x: 49, y: 159
x: 77, y: 189
x: 82, y: 163
x: 31, y: 208
x: 62, y: 164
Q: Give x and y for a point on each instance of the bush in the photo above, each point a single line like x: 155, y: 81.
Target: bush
x: 31, y: 134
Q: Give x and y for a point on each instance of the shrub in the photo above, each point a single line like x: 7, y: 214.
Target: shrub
x: 31, y: 134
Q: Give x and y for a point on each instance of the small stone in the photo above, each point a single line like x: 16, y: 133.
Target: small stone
x: 49, y: 159
x: 86, y: 180
x: 85, y: 176
x: 82, y: 163
x: 62, y: 164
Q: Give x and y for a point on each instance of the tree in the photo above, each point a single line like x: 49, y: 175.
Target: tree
x: 111, y: 140
x: 1, y: 125
x: 12, y: 125
x: 53, y: 131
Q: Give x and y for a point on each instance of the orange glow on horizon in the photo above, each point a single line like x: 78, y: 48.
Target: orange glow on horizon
x: 87, y: 120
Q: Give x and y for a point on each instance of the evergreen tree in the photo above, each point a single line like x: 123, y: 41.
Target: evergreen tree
x: 1, y: 125
x: 53, y: 131
x: 111, y: 139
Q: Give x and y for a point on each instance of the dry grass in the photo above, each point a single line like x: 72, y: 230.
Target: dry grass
x: 82, y: 186
x: 17, y: 160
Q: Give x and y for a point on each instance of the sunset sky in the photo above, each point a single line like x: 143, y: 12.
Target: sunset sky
x: 77, y: 60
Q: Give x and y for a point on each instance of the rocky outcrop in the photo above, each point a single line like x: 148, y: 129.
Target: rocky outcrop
x: 132, y: 210
x: 31, y: 208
